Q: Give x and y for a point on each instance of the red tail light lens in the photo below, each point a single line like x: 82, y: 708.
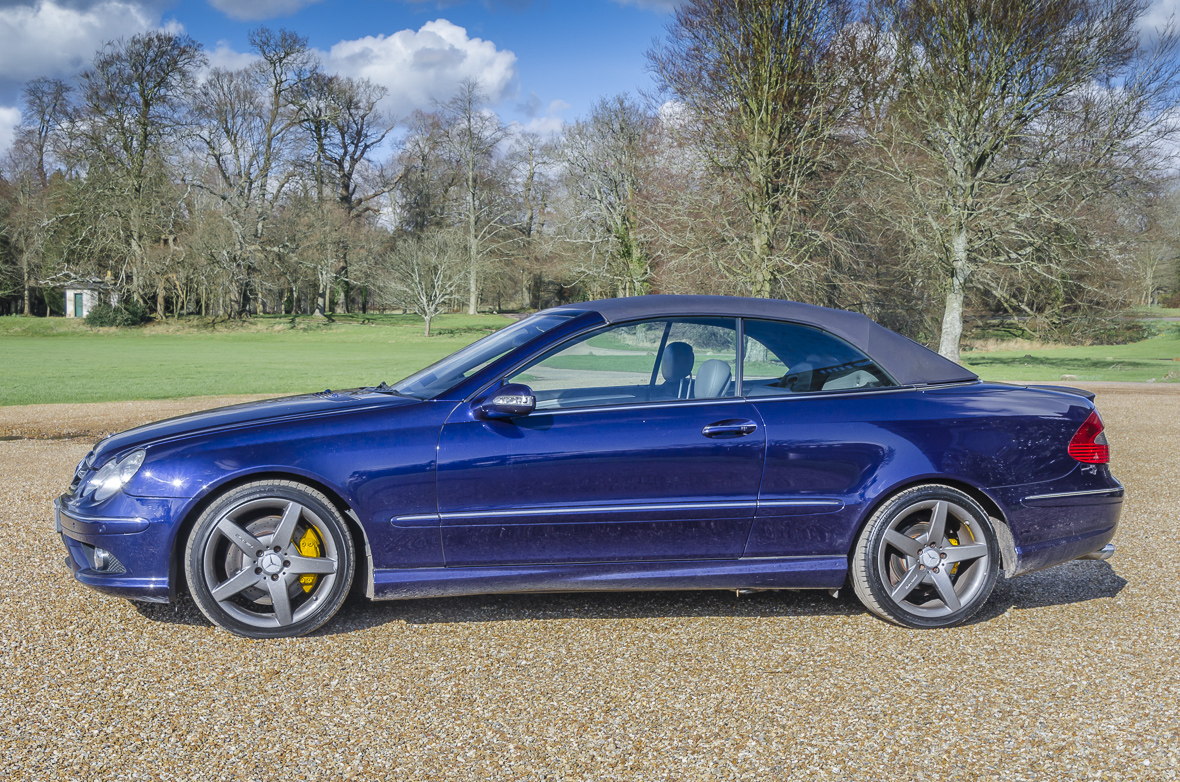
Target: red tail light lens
x: 1089, y: 443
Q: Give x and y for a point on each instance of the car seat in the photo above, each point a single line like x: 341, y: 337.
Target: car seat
x: 675, y: 368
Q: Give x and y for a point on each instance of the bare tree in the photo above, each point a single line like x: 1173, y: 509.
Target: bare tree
x: 472, y: 134
x: 603, y: 157
x: 346, y: 125
x: 999, y: 120
x: 425, y: 274
x: 762, y: 88
x: 534, y: 163
x: 423, y: 194
x: 133, y: 99
x: 33, y: 213
x: 246, y: 128
x: 46, y: 108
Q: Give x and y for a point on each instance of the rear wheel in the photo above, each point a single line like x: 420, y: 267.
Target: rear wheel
x: 927, y: 558
x: 272, y: 559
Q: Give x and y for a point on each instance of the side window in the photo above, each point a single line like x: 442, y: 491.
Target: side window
x: 789, y: 358
x: 656, y: 360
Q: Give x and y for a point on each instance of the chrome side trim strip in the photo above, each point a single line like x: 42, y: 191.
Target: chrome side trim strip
x: 60, y: 508
x: 419, y: 517
x: 1089, y: 492
x: 566, y: 511
x: 726, y: 400
x: 595, y: 509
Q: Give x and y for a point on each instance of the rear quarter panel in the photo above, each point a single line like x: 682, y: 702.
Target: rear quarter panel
x: 853, y: 450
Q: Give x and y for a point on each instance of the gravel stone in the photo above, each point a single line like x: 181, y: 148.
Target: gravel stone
x: 1067, y: 674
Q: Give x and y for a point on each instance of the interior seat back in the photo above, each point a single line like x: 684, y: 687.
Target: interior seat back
x: 712, y: 378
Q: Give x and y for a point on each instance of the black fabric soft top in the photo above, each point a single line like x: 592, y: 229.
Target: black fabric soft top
x: 905, y: 360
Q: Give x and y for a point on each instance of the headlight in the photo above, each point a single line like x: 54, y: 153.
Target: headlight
x: 112, y: 476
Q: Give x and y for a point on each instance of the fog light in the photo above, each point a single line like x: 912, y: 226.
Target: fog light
x: 105, y: 562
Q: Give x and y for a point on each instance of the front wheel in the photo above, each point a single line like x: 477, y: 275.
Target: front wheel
x: 927, y: 558
x: 272, y: 559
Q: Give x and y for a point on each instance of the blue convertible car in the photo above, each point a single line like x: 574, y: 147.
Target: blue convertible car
x: 656, y: 442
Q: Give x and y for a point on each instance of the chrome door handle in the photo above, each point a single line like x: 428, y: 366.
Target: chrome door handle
x: 730, y: 429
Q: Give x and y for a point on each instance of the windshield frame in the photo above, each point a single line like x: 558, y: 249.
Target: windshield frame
x: 447, y: 374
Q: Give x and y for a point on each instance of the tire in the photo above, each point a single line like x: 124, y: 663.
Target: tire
x: 272, y: 559
x: 903, y: 573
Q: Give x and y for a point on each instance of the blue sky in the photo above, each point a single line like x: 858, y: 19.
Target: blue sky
x: 543, y: 61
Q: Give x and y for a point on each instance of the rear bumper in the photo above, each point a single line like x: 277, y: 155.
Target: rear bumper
x: 1063, y: 523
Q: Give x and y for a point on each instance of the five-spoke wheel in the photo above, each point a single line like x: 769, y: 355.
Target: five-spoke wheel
x: 927, y: 558
x: 270, y: 559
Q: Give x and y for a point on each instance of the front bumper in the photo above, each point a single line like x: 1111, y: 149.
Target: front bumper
x: 138, y: 533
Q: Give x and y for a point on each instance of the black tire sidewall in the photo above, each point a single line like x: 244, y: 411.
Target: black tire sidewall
x: 879, y: 525
x: 202, y: 531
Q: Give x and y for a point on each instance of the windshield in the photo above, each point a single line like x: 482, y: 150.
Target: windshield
x: 441, y: 377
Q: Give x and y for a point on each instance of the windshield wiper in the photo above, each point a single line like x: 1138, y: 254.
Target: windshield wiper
x: 385, y: 388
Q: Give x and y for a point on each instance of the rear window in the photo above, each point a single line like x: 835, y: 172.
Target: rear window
x: 789, y: 358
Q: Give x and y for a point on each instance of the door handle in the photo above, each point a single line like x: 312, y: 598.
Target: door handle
x: 730, y: 429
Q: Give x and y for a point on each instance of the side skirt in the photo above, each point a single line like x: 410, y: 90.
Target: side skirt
x: 770, y: 573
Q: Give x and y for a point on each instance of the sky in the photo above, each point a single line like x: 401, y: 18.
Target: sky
x: 543, y: 62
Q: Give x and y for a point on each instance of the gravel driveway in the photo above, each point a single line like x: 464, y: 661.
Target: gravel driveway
x: 1070, y: 673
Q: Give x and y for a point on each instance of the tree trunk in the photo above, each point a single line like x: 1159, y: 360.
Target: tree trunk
x: 323, y: 295
x: 472, y: 242
x: 428, y: 325
x: 344, y: 290
x: 27, y: 297
x: 952, y: 315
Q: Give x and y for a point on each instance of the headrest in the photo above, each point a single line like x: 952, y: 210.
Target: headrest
x: 677, y: 362
x: 712, y: 378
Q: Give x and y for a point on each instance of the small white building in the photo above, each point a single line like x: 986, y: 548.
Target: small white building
x: 80, y: 299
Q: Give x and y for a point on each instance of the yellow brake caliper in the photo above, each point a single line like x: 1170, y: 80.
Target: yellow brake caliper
x: 954, y: 540
x: 309, y: 546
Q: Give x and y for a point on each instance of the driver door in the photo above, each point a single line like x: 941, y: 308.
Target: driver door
x: 639, y: 449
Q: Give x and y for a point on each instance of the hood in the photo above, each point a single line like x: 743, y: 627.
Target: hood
x: 320, y: 403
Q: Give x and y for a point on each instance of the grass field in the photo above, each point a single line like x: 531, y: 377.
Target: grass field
x: 58, y: 360
x: 1155, y: 359
x: 45, y: 360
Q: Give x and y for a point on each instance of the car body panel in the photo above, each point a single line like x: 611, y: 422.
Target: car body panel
x: 627, y: 497
x: 581, y: 486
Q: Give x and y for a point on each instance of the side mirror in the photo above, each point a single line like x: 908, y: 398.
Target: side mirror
x: 508, y: 401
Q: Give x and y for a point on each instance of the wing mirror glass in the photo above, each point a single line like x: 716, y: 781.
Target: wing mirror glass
x: 507, y: 401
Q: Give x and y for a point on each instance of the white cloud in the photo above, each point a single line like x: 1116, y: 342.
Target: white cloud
x: 551, y: 123
x: 50, y: 39
x: 660, y: 6
x: 1158, y: 14
x: 259, y: 9
x: 224, y: 56
x: 427, y: 65
x: 9, y: 119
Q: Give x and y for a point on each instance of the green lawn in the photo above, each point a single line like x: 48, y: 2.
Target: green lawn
x: 1155, y: 312
x: 1157, y: 358
x: 58, y: 360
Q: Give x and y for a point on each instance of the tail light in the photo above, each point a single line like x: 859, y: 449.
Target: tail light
x: 1089, y: 443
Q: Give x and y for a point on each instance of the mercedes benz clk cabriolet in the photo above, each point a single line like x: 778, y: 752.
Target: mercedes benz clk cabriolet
x: 648, y: 443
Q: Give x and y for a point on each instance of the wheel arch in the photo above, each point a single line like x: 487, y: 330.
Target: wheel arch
x: 995, y: 511
x: 362, y: 552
